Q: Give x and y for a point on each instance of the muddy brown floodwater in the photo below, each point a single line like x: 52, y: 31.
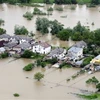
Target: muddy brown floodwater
x: 53, y: 86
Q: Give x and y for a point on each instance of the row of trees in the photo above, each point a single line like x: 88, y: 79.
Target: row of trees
x: 55, y: 1
x: 78, y: 33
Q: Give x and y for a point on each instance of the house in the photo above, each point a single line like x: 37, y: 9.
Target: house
x: 41, y: 47
x: 5, y: 37
x: 96, y: 60
x: 10, y: 45
x: 21, y: 38
x: 58, y: 53
x: 80, y: 44
x: 21, y: 47
x: 75, y: 53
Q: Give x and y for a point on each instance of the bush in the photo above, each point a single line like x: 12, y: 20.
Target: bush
x: 16, y: 95
x: 4, y: 55
x: 50, y: 9
x: 59, y: 9
x: 28, y: 15
x: 29, y: 67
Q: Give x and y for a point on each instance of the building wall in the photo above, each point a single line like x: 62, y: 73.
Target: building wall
x: 40, y: 49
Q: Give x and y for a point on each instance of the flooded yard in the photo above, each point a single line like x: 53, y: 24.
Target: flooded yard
x: 53, y: 87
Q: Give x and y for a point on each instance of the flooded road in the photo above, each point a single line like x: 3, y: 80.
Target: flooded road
x: 52, y: 87
x: 13, y: 15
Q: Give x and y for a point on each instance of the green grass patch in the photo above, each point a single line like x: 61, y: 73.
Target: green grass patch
x: 95, y: 96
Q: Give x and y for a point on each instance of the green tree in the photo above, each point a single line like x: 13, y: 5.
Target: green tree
x: 55, y: 27
x: 27, y: 54
x: 98, y: 86
x: 38, y: 76
x: 1, y: 22
x: 20, y: 30
x: 96, y: 2
x: 42, y: 25
x: 64, y: 34
x: 2, y: 31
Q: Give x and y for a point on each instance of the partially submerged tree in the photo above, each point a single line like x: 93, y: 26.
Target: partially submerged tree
x: 38, y: 76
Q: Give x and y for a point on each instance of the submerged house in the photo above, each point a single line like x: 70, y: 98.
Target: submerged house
x: 41, y: 47
x: 75, y: 53
x: 58, y: 53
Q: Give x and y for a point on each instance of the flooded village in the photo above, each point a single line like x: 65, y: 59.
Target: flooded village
x: 66, y: 65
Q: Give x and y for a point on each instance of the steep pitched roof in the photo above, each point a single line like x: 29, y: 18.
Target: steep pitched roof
x: 5, y: 36
x: 75, y: 49
x: 81, y: 44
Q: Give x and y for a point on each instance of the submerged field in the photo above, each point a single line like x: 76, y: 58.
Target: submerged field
x: 54, y: 85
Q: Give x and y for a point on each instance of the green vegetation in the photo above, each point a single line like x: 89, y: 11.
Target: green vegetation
x: 59, y: 9
x: 20, y: 30
x: 29, y: 2
x: 94, y: 96
x: 50, y: 9
x: 42, y: 25
x: 16, y: 95
x: 92, y: 80
x: 72, y: 8
x: 98, y: 87
x: 29, y: 67
x: 4, y: 55
x: 65, y: 65
x: 38, y: 12
x: 86, y: 61
x: 28, y: 15
x: 38, y: 76
x: 1, y: 22
x: 2, y: 31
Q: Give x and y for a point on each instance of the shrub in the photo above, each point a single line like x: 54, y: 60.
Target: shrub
x: 16, y: 95
x: 29, y: 67
x: 28, y: 15
x: 59, y: 8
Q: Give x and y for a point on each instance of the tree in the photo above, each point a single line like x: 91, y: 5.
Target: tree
x: 1, y: 22
x: 55, y: 27
x: 38, y: 76
x: 27, y: 54
x: 20, y: 30
x: 64, y: 34
x: 98, y: 86
x: 2, y: 31
x: 42, y: 25
x: 96, y: 2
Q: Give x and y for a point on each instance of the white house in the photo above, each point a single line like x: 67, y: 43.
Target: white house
x: 75, y: 53
x: 58, y: 53
x: 41, y: 47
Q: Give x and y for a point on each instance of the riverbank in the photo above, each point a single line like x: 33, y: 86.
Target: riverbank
x: 54, y: 85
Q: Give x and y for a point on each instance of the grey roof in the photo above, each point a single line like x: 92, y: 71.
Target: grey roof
x: 23, y: 46
x: 97, y: 68
x: 10, y: 44
x: 74, y: 49
x: 57, y: 51
x: 20, y: 37
x: 97, y: 57
x: 80, y: 44
x: 5, y: 36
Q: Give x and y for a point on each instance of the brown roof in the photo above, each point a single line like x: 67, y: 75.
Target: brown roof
x: 44, y: 44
